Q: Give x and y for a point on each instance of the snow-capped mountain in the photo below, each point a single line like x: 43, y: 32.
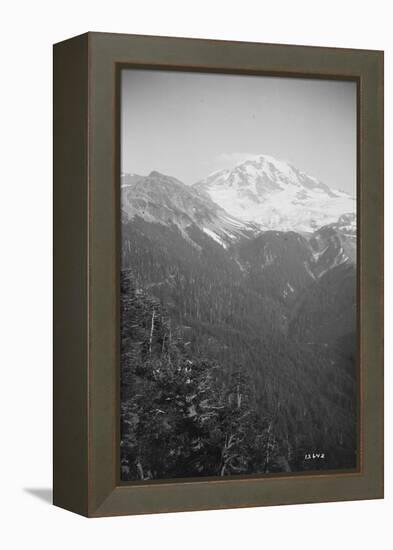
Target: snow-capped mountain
x: 334, y: 244
x: 275, y: 195
x: 164, y: 200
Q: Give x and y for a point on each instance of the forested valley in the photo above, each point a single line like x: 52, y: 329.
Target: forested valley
x: 238, y: 359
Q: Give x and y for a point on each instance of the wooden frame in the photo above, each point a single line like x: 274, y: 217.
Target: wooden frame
x: 86, y: 255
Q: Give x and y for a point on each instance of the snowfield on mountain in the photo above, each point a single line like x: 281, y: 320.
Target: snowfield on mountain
x: 273, y: 194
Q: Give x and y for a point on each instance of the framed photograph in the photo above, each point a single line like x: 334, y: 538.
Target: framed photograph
x: 218, y: 274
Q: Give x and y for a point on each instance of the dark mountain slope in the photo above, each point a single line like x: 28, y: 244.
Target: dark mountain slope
x: 327, y: 311
x: 277, y: 264
x: 261, y: 305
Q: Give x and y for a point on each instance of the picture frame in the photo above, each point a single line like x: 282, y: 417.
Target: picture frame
x: 86, y: 384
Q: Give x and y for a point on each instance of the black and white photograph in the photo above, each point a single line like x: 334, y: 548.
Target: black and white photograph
x: 238, y: 283
x: 196, y: 235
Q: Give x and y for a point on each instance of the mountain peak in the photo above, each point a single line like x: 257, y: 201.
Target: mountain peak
x: 264, y: 159
x: 158, y: 179
x: 156, y: 174
x: 275, y: 194
x: 161, y: 199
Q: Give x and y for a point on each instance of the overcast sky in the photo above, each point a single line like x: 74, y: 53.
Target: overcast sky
x: 187, y: 125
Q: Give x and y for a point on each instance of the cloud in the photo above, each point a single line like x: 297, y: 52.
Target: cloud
x: 227, y: 160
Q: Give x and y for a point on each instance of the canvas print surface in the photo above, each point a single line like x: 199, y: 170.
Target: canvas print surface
x: 238, y: 275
